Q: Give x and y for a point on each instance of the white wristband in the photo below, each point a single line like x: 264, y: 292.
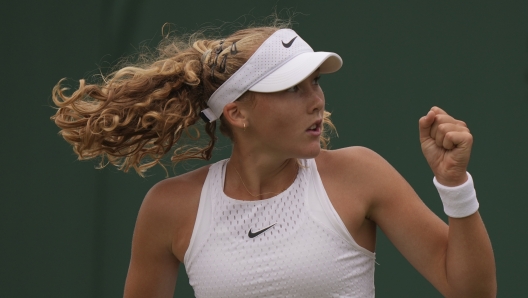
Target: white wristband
x: 459, y: 201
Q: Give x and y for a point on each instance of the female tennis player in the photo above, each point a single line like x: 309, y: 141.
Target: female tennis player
x: 283, y: 216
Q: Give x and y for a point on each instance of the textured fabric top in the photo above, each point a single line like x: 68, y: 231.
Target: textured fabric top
x: 290, y: 245
x: 279, y: 48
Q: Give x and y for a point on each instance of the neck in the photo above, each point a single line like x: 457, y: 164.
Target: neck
x: 251, y: 177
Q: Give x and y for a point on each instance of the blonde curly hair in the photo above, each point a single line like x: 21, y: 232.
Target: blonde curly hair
x: 136, y: 115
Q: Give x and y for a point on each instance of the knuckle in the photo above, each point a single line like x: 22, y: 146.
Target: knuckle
x: 443, y: 127
x: 443, y: 118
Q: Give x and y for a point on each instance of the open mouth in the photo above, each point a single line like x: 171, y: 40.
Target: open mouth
x: 316, y: 127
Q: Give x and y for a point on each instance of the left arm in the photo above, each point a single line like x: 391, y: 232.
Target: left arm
x: 457, y: 259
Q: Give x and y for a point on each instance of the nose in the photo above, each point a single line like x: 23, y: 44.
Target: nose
x: 317, y: 101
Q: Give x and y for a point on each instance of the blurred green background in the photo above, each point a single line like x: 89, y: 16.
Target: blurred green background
x: 66, y: 228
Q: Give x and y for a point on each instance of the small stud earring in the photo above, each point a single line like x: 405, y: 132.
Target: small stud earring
x: 244, y: 126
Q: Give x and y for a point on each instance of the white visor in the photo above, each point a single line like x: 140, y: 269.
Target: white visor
x: 298, y: 69
x: 282, y: 61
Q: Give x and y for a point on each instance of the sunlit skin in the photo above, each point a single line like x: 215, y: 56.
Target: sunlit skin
x: 366, y: 191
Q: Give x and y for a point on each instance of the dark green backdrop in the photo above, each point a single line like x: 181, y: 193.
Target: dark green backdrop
x: 66, y: 228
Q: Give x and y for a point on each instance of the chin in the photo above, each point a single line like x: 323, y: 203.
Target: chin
x: 310, y: 152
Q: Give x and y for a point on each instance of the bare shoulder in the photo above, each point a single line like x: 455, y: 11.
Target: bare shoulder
x: 169, y: 210
x: 353, y: 153
x: 161, y: 236
x: 351, y: 163
x: 361, y: 172
x: 350, y: 176
x: 177, y: 192
x: 183, y: 185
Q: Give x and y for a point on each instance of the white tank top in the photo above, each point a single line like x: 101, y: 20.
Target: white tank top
x: 291, y: 245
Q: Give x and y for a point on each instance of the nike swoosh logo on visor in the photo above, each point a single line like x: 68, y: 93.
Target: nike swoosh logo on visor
x: 255, y: 234
x: 287, y: 45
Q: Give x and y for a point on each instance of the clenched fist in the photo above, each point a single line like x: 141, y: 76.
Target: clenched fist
x: 446, y: 144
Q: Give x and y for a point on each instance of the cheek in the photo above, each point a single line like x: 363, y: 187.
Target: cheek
x: 282, y: 119
x: 273, y: 112
x: 275, y: 115
x: 273, y: 124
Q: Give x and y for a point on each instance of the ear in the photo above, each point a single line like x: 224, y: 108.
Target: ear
x: 236, y: 114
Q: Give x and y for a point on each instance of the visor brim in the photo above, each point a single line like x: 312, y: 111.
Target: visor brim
x: 298, y: 69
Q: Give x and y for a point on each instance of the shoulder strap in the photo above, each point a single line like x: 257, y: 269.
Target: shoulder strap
x: 322, y: 210
x: 204, y: 217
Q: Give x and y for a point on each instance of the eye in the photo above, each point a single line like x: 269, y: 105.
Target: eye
x: 293, y: 89
x: 316, y: 80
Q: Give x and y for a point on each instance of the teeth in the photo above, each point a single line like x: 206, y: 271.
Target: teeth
x: 313, y: 126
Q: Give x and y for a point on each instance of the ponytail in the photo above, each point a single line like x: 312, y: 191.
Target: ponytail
x: 137, y: 114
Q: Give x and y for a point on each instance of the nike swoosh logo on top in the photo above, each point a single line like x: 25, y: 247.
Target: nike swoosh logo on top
x: 287, y: 45
x: 255, y: 234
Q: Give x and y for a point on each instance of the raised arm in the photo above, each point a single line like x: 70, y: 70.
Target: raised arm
x: 470, y: 264
x: 457, y: 259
